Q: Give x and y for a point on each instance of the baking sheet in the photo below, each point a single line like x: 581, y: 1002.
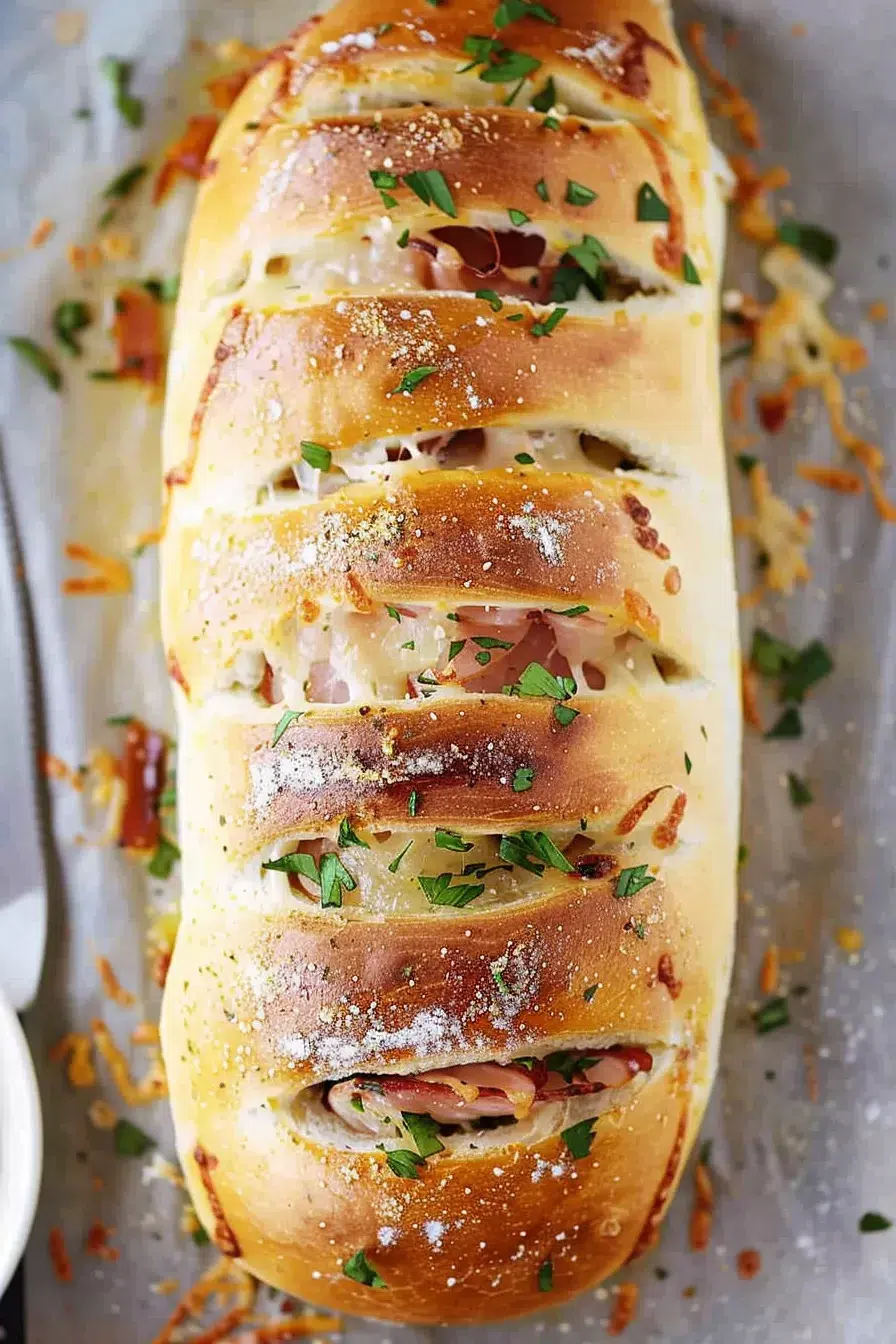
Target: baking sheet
x: 792, y: 1177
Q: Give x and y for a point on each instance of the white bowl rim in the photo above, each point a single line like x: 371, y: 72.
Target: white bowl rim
x: 21, y: 1142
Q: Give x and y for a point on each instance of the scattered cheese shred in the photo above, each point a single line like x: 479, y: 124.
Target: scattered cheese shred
x: 101, y: 1115
x: 781, y: 534
x: 296, y: 1328
x: 770, y: 970
x: 110, y: 574
x: 59, y: 1256
x: 185, y: 157
x: 150, y: 1088
x: 753, y: 216
x: 730, y: 102
x: 43, y: 230
x: 625, y: 1308
x: 76, y: 1048
x: 96, y: 1242
x: 224, y: 1279
x: 849, y: 939
x: 831, y: 478
x: 702, y: 1212
x: 112, y: 987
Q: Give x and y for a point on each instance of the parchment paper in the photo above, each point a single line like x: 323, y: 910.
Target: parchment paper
x: 792, y: 1177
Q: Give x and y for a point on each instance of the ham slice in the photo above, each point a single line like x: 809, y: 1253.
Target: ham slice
x: 513, y: 264
x: 465, y: 1093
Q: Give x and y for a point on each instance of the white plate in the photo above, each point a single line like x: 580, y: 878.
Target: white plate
x: 21, y: 1142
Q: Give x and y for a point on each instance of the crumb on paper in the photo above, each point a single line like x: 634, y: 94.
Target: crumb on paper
x: 59, y: 1256
x: 101, y: 1115
x: 849, y: 939
x: 749, y: 1263
x: 112, y: 987
x: 69, y: 27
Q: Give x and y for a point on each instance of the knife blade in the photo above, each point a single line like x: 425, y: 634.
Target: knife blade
x: 23, y: 880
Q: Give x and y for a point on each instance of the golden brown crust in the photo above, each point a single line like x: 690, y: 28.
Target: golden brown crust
x: 619, y: 57
x: 288, y: 334
x: 459, y: 755
x: 331, y: 373
x: 448, y: 537
x: 285, y: 186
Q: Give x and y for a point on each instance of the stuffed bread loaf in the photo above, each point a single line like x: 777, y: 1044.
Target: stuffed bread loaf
x: 449, y: 609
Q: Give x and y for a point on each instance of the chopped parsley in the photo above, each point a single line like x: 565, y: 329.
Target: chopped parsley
x: 425, y: 1133
x: 334, y: 879
x: 359, y: 1268
x: 578, y: 194
x: 517, y: 217
x: 524, y: 459
x: 455, y: 647
x: 130, y: 1140
x: 815, y: 243
x: 734, y: 352
x: 122, y: 185
x: 639, y: 928
x: 394, y: 613
x: 811, y: 665
x: 510, y: 10
x: 578, y: 1138
x: 589, y: 993
x: 772, y: 1015
x: 500, y: 64
x: 430, y: 185
x: 652, y: 209
x: 70, y: 317
x: 347, y: 836
x: 546, y: 97
x: 385, y: 183
x: 200, y: 1237
x: 580, y: 610
x: 769, y: 655
x: 119, y: 75
x: 394, y: 865
x: 688, y: 764
x: 404, y: 1163
x: 690, y: 272
x: 288, y: 716
x: 409, y: 644
x: 632, y: 880
x: 165, y: 856
x: 316, y: 455
x: 497, y: 970
x: 547, y: 326
x: 522, y: 779
x: 301, y: 865
x: 743, y: 853
x: 494, y: 301
x: 446, y: 839
x: 541, y: 189
x: 874, y: 1222
x: 413, y: 378
x: 40, y: 360
x: 537, y: 680
x: 439, y: 891
x: 545, y: 1276
x: 534, y: 851
x: 413, y: 803
x: 788, y: 726
x: 404, y: 238
x: 164, y: 290
x: 800, y: 793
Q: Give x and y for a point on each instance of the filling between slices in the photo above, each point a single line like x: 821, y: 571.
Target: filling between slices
x: 479, y: 1096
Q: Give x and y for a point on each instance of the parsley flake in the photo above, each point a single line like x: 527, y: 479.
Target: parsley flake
x: 772, y: 1015
x: 578, y: 1138
x: 545, y: 1276
x: 874, y: 1222
x: 510, y: 10
x: 430, y: 185
x: 404, y: 238
x: 359, y: 1268
x: 283, y: 723
x: 579, y: 610
x: 494, y: 301
x: 404, y: 1163
x: 40, y: 360
x: 800, y: 793
x: 122, y: 185
x: 688, y: 764
x: 815, y: 243
x: 334, y: 879
x: 589, y: 993
x: 517, y: 217
x: 425, y: 1133
x: 788, y: 726
x: 537, y: 680
x: 439, y: 891
x: 811, y: 665
x: 70, y: 317
x: 690, y: 272
x: 347, y: 836
x: 652, y: 209
x: 534, y: 851
x: 446, y: 839
x: 632, y: 880
x: 578, y: 194
x: 522, y: 779
x: 500, y: 64
x: 546, y: 98
x: 130, y: 1140
x: 316, y: 456
x: 394, y: 613
x: 547, y: 326
x: 165, y: 856
x: 394, y: 865
x: 413, y: 378
x: 119, y: 75
x: 541, y: 189
x: 413, y: 803
x: 524, y: 459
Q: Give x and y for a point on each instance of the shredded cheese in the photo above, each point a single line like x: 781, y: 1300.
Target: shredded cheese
x: 112, y: 987
x: 110, y: 574
x: 781, y: 534
x: 152, y: 1087
x: 76, y: 1048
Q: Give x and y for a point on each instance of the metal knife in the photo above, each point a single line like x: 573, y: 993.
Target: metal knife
x: 23, y: 878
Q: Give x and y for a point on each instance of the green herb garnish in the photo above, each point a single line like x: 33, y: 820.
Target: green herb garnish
x: 547, y: 326
x: 130, y: 1140
x: 119, y: 75
x: 690, y: 272
x: 541, y: 189
x: 811, y: 665
x: 545, y: 1276
x: 40, y: 360
x: 316, y: 455
x: 165, y: 856
x: 546, y: 98
x: 510, y: 10
x: 772, y: 1015
x: 788, y: 726
x: 413, y: 378
x: 413, y: 803
x: 534, y: 851
x: 800, y: 793
x: 652, y: 209
x: 70, y: 317
x: 122, y: 185
x: 522, y: 779
x: 815, y: 243
x: 518, y: 217
x: 874, y: 1222
x: 425, y: 1133
x: 430, y: 185
x: 347, y: 836
x: 362, y: 1271
x: 494, y: 301
x: 578, y: 194
x: 404, y: 1163
x: 287, y: 717
x: 446, y: 839
x: 393, y: 866
x: 632, y: 880
x: 439, y: 891
x: 578, y: 1138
